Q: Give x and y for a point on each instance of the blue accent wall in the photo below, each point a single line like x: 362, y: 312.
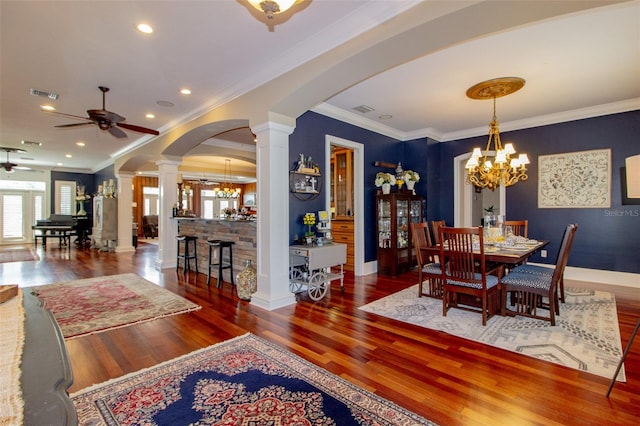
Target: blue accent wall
x: 309, y: 139
x: 607, y: 239
x: 88, y: 180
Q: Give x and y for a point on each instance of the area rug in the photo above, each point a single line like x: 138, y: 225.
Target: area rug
x: 97, y: 304
x: 586, y: 336
x: 243, y: 381
x: 18, y: 255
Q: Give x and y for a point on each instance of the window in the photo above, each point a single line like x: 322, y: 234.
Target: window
x: 65, y: 202
x: 13, y: 225
x: 151, y: 202
x: 212, y: 205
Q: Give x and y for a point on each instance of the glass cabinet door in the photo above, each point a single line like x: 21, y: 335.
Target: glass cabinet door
x: 402, y: 223
x: 384, y: 223
x: 416, y: 206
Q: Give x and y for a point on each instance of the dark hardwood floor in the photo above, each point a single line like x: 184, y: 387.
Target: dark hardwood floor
x: 446, y: 379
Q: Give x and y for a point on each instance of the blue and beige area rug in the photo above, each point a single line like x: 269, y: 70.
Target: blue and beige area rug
x: 586, y: 335
x: 243, y: 381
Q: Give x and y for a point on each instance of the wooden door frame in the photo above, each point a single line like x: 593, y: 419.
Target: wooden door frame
x: 358, y: 194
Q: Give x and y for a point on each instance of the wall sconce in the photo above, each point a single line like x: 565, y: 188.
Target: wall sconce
x: 632, y: 165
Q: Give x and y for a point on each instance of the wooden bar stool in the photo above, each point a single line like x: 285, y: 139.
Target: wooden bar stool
x: 219, y: 263
x: 186, y: 254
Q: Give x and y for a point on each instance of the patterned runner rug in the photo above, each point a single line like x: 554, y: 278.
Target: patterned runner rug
x: 98, y: 304
x: 18, y: 255
x: 586, y: 336
x: 243, y: 381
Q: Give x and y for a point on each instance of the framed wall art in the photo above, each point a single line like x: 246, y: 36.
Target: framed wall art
x: 575, y: 180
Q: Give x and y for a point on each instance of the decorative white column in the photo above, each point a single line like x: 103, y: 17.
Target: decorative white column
x: 272, y: 160
x: 125, y: 211
x: 167, y: 226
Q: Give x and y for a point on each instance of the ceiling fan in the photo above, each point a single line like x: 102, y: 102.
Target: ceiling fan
x: 8, y: 166
x: 106, y: 120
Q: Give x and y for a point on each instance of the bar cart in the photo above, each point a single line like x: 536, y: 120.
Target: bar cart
x: 312, y: 268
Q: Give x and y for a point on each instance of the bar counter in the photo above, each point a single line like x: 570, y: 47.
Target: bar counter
x: 242, y: 232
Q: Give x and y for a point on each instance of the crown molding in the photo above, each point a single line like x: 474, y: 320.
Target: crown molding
x: 543, y: 120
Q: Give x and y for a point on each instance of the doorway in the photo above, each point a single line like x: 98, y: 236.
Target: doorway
x: 354, y: 213
x: 467, y: 204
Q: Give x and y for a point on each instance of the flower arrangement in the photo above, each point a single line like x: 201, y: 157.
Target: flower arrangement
x: 382, y: 178
x: 309, y: 219
x: 80, y: 194
x: 229, y: 211
x: 410, y: 175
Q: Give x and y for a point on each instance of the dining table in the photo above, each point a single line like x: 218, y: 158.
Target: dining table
x: 507, y: 255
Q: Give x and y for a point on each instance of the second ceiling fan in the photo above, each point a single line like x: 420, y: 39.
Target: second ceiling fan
x: 106, y: 120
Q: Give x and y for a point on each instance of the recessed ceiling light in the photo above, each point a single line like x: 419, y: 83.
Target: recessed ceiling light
x: 68, y: 155
x: 47, y: 107
x: 80, y: 143
x: 145, y: 28
x: 59, y: 164
x: 32, y: 143
x: 150, y: 115
x: 185, y: 91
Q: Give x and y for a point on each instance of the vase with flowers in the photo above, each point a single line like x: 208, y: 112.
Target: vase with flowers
x: 410, y: 178
x: 229, y: 212
x: 309, y: 219
x: 384, y: 181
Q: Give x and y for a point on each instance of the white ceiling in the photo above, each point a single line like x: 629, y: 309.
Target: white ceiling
x: 575, y: 66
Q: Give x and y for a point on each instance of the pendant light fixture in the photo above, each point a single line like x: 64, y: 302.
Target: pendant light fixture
x: 503, y: 167
x: 227, y: 189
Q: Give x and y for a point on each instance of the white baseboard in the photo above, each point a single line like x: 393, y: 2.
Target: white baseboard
x: 623, y: 279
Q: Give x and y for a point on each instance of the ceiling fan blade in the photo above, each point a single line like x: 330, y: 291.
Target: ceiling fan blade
x: 65, y: 115
x: 75, y: 124
x: 117, y: 132
x: 138, y: 128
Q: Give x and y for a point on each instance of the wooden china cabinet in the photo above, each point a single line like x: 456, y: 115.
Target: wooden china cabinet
x: 395, y: 212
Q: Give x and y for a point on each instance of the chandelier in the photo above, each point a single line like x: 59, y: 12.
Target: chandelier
x: 227, y: 190
x: 271, y: 7
x: 503, y: 167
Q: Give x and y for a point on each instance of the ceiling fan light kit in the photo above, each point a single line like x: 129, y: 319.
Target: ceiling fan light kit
x: 272, y: 7
x: 105, y: 120
x: 506, y: 169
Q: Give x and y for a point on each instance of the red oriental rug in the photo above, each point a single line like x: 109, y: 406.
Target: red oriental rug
x: 92, y: 305
x: 18, y: 255
x: 243, y: 381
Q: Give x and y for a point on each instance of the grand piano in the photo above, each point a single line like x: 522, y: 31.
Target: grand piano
x: 63, y: 227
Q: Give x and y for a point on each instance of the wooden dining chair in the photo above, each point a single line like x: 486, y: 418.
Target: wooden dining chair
x: 529, y: 284
x: 519, y: 227
x: 435, y: 225
x: 465, y: 277
x: 428, y: 267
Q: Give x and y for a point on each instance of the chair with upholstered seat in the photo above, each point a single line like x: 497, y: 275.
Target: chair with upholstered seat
x: 435, y: 225
x: 519, y: 227
x: 465, y: 277
x: 428, y: 267
x: 529, y: 284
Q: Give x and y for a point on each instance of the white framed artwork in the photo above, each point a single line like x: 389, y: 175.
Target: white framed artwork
x: 575, y: 180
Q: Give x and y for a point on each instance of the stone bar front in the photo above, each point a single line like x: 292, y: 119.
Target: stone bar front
x: 242, y: 232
